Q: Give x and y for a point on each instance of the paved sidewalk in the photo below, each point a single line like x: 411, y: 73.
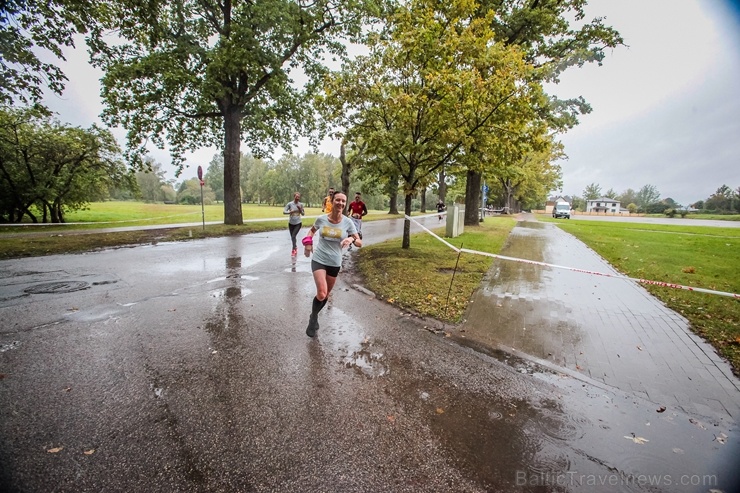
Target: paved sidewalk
x: 609, y: 330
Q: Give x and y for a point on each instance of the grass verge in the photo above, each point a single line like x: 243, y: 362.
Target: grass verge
x: 77, y: 242
x: 428, y: 278
x: 704, y: 257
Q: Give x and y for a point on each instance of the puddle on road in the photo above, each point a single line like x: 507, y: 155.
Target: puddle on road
x: 495, y: 439
x: 231, y: 277
x: 342, y: 333
x: 230, y: 292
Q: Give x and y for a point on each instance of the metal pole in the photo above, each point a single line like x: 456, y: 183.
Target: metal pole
x: 202, y: 208
x: 483, y: 201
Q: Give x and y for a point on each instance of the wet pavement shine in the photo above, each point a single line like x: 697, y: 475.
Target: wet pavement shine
x: 185, y: 367
x: 608, y: 329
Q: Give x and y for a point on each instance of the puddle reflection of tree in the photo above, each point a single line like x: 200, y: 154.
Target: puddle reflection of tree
x: 227, y: 320
x: 495, y: 439
x: 515, y: 277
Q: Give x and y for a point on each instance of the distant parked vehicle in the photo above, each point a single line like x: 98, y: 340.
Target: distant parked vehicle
x: 561, y: 209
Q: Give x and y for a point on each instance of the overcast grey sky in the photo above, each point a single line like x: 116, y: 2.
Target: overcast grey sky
x: 666, y: 109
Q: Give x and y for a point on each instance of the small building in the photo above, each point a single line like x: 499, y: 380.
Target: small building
x: 550, y: 204
x: 603, y: 204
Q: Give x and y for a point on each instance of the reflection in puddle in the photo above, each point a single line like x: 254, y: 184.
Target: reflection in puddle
x: 231, y: 277
x: 299, y: 267
x: 357, y: 351
x: 369, y: 363
x: 230, y: 292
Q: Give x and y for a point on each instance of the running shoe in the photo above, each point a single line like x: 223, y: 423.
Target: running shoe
x: 313, y: 325
x: 294, y: 252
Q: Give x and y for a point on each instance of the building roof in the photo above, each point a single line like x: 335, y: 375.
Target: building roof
x: 604, y: 199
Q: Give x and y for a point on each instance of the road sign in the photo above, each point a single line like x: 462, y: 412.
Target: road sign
x: 200, y: 174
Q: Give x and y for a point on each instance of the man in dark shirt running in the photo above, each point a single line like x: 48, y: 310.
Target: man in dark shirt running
x: 357, y: 209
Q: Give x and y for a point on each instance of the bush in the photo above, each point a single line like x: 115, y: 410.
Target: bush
x: 670, y: 212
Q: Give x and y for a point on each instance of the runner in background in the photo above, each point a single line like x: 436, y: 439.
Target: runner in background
x: 295, y: 209
x: 440, y: 208
x: 327, y: 204
x: 357, y: 209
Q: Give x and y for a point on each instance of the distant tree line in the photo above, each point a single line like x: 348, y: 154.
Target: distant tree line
x: 648, y: 200
x: 724, y: 201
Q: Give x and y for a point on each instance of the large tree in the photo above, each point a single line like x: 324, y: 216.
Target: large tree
x: 427, y: 89
x: 553, y: 35
x: 196, y: 73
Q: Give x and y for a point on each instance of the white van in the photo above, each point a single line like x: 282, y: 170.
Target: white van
x: 561, y: 209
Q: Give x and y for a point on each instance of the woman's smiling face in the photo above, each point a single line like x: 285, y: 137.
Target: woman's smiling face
x: 339, y: 201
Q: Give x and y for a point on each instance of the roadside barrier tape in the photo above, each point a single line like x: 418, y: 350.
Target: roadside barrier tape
x: 575, y: 269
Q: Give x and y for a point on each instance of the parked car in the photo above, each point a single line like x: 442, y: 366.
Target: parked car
x: 561, y: 209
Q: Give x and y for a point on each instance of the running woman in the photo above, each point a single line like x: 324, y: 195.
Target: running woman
x: 336, y: 231
x: 295, y: 209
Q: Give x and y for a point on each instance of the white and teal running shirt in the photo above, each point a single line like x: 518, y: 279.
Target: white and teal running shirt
x: 328, y: 250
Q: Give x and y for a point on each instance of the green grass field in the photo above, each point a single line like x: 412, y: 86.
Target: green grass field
x: 418, y: 278
x: 121, y: 214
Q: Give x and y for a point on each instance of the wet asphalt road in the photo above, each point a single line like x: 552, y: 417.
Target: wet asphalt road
x: 185, y: 367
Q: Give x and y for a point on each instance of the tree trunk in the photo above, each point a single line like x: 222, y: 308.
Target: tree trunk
x: 406, y: 243
x: 423, y: 200
x: 442, y: 185
x: 508, y: 192
x: 393, y: 194
x: 472, y: 198
x: 232, y: 190
x: 59, y: 211
x: 345, y: 174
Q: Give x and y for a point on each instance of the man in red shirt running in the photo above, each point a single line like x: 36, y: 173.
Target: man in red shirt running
x: 357, y: 209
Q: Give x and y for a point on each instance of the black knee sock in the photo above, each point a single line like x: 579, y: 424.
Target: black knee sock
x: 317, y: 306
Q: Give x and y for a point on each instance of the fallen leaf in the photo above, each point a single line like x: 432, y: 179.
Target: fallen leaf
x: 661, y: 409
x: 55, y: 450
x: 578, y: 367
x: 638, y: 347
x: 636, y: 439
x: 697, y: 423
x: 440, y: 410
x: 391, y: 419
x: 89, y: 452
x: 677, y: 451
x: 721, y: 438
x: 67, y: 389
x: 172, y: 310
